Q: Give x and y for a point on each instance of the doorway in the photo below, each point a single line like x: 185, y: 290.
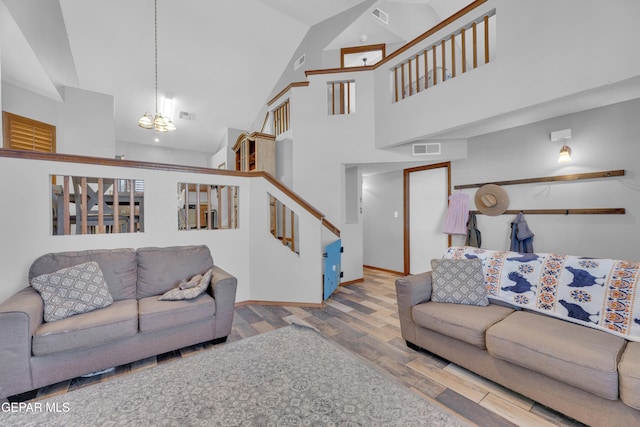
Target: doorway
x: 426, y: 197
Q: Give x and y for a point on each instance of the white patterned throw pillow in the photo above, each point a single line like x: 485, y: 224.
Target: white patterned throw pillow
x: 180, y: 293
x: 458, y: 281
x: 72, y: 290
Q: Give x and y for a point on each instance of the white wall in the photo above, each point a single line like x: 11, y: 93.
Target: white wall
x: 546, y: 51
x: 84, y: 122
x: 225, y: 154
x: 603, y: 139
x: 151, y: 153
x: 248, y: 252
x: 274, y: 267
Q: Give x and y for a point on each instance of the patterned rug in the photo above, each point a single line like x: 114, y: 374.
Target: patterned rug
x: 292, y: 376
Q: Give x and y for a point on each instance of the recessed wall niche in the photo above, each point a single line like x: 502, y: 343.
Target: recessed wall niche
x: 91, y: 205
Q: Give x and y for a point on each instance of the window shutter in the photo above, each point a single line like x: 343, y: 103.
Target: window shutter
x: 22, y: 133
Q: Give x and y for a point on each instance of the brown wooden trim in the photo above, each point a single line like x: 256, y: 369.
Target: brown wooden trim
x: 406, y: 172
x: 283, y: 91
x: 339, y: 70
x: 279, y: 303
x: 486, y: 39
x: 570, y: 177
x: 329, y: 226
x: 357, y: 49
x: 459, y: 14
x: 103, y: 161
x: 352, y: 282
x: 585, y: 211
x: 464, y: 50
x: 370, y: 267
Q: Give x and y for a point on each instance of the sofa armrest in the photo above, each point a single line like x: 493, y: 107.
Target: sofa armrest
x: 223, y: 290
x: 20, y: 316
x: 411, y: 290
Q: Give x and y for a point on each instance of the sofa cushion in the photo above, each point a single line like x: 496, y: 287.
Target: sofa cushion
x: 629, y: 370
x: 190, y: 292
x: 466, y: 323
x: 119, y: 320
x: 458, y: 281
x: 161, y: 269
x: 156, y: 314
x: 72, y: 290
x: 582, y: 357
x: 119, y: 267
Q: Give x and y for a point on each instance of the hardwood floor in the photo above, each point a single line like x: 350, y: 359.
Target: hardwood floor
x: 363, y: 318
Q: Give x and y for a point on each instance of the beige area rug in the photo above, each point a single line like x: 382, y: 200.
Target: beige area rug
x: 292, y: 376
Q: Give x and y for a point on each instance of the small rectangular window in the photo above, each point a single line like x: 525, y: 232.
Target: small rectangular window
x: 341, y: 97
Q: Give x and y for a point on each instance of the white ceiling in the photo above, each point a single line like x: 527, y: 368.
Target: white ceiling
x: 220, y: 60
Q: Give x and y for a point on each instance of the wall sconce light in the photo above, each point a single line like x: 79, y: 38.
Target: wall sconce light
x: 565, y: 151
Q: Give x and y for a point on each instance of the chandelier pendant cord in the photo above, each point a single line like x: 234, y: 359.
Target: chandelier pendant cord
x: 157, y: 121
x: 155, y: 23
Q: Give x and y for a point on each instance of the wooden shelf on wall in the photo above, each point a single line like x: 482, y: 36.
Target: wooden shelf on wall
x: 571, y: 177
x: 586, y: 211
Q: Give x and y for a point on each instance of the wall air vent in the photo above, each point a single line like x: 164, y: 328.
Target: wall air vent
x: 381, y: 15
x: 185, y: 115
x: 426, y: 149
x: 298, y: 63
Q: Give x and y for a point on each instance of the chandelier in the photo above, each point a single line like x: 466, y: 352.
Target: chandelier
x: 157, y: 121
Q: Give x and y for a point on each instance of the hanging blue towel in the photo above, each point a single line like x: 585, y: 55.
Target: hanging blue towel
x: 521, y: 235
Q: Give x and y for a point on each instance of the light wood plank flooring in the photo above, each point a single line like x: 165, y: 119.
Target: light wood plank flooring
x: 363, y: 318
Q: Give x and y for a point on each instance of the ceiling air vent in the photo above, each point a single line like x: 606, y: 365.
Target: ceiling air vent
x: 381, y: 15
x: 426, y: 149
x: 186, y: 115
x: 298, y: 63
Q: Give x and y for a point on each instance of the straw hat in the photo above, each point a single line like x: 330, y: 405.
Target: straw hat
x: 491, y: 199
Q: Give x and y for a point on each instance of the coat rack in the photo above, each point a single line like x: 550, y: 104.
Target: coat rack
x: 571, y: 177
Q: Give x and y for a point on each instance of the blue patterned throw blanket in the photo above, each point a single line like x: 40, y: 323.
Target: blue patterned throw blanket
x: 599, y: 293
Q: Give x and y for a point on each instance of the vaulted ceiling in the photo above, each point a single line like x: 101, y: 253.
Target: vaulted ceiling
x: 220, y: 60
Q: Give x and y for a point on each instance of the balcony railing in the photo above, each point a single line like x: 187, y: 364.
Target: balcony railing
x: 463, y: 50
x: 283, y: 224
x: 341, y: 97
x: 281, y: 118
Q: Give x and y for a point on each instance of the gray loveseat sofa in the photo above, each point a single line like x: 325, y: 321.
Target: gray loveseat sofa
x: 135, y: 326
x: 588, y: 374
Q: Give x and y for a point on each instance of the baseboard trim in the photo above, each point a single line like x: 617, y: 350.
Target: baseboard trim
x: 399, y: 273
x: 280, y: 303
x: 352, y: 282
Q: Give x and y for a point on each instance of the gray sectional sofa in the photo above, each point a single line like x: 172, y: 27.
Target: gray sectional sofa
x: 136, y: 325
x: 588, y: 374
